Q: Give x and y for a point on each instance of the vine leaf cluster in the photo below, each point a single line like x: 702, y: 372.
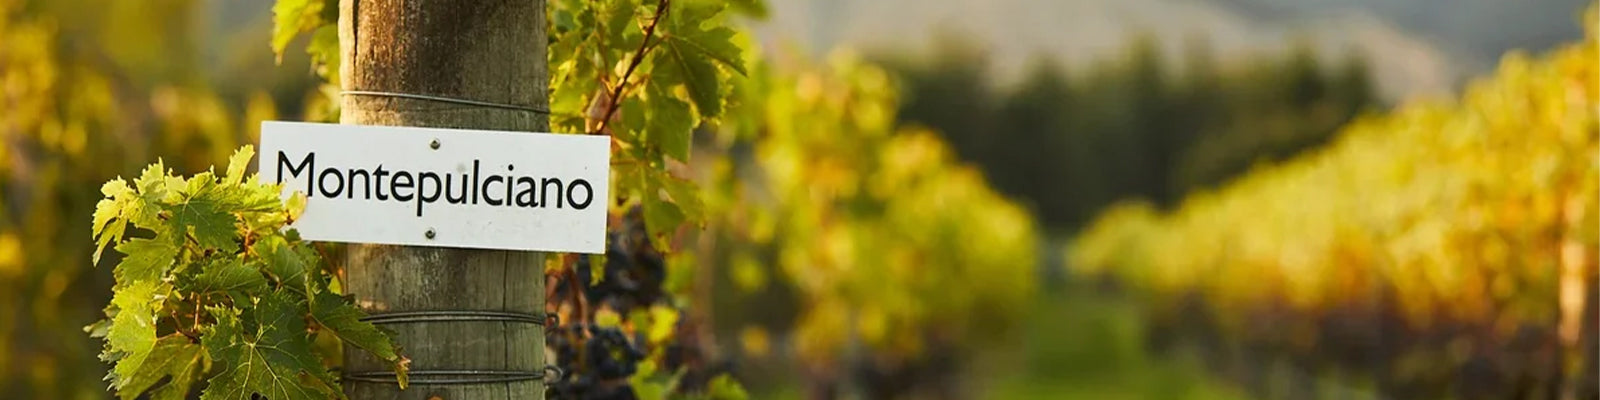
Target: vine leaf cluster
x: 648, y: 74
x: 212, y: 287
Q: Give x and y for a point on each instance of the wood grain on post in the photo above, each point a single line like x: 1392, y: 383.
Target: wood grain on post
x: 482, y: 50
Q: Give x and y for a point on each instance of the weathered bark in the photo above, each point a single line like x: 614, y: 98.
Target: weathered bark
x: 486, y: 50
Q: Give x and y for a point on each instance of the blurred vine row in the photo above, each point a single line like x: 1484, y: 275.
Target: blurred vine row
x: 1445, y: 249
x: 861, y: 250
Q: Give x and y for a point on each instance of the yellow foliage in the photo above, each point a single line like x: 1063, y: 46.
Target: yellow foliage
x: 1462, y: 208
x: 887, y: 239
x: 73, y: 117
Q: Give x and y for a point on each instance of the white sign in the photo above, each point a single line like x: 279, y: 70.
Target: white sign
x: 443, y: 187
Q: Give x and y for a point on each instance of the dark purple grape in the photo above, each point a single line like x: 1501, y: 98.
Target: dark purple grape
x: 596, y: 361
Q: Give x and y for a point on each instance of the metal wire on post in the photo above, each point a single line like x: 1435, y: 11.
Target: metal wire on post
x: 447, y: 377
x: 443, y: 99
x: 453, y: 315
x: 452, y: 376
x: 465, y: 317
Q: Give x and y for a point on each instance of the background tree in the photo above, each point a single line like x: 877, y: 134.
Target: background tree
x: 1055, y: 139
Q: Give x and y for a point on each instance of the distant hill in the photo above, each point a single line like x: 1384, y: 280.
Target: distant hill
x: 1416, y: 47
x: 1477, y: 30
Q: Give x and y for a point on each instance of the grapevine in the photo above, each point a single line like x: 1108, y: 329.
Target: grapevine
x: 618, y: 68
x: 1457, y: 232
x: 212, y: 287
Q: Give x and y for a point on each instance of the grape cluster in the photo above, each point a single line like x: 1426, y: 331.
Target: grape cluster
x: 596, y: 361
x: 632, y: 275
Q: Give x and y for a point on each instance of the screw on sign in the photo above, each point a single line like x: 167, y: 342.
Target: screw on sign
x: 489, y: 189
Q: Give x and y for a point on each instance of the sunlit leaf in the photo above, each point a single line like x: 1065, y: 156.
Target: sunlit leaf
x: 268, y: 354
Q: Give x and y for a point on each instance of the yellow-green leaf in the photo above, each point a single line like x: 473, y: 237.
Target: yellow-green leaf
x: 145, y: 260
x: 132, y: 334
x: 289, y: 18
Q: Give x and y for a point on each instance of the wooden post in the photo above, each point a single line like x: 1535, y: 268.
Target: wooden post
x: 467, y: 319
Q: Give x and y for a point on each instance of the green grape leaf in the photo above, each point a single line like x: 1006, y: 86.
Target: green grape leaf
x: 679, y: 63
x: 568, y: 103
x: 661, y: 218
x: 267, y: 353
x: 572, y: 67
x: 107, y: 233
x: 618, y: 19
x: 173, y: 356
x: 289, y: 18
x: 233, y: 277
x: 684, y: 194
x: 154, y: 188
x: 98, y: 329
x: 634, y: 121
x: 688, y: 29
x: 155, y: 185
x: 344, y: 320
x: 671, y: 125
x: 237, y: 164
x: 292, y: 266
x: 146, y: 260
x: 108, y: 229
x: 572, y: 82
x: 200, y: 215
x: 561, y: 20
x: 132, y: 335
x: 210, y: 223
x: 110, y: 207
x: 206, y: 210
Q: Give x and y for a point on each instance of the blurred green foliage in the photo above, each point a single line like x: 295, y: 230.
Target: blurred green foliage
x: 1091, y: 344
x: 1069, y: 143
x: 899, y: 260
